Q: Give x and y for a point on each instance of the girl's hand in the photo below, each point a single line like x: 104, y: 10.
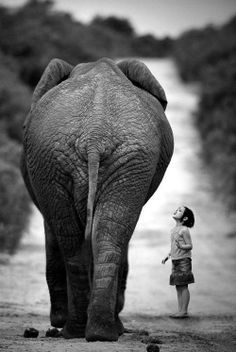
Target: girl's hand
x: 178, y: 245
x: 164, y: 260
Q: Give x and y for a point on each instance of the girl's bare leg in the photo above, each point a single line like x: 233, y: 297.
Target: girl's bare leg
x: 185, y: 299
x: 179, y: 297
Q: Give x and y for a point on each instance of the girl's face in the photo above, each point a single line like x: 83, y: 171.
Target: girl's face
x: 178, y: 214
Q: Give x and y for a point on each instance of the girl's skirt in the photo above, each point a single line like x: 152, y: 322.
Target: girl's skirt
x: 181, y: 272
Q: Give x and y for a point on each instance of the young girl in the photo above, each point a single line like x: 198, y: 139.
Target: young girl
x: 181, y: 246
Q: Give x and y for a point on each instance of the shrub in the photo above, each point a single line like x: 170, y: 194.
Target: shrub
x: 209, y: 56
x: 14, y: 99
x: 14, y: 199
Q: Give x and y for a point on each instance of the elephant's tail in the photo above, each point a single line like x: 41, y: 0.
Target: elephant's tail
x: 93, y: 166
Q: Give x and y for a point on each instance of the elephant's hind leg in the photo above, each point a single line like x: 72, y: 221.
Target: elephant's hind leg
x: 109, y: 240
x: 56, y: 280
x: 78, y: 294
x: 70, y: 236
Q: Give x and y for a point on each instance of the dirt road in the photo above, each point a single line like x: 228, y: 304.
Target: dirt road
x: 198, y: 333
x: 211, y: 326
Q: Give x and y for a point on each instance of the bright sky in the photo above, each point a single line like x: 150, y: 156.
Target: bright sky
x: 159, y: 17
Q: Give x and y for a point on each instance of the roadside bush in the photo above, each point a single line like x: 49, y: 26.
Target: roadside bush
x: 148, y: 46
x: 216, y: 119
x: 209, y: 56
x: 14, y: 200
x: 14, y: 99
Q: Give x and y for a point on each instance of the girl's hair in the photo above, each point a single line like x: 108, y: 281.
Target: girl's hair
x: 190, y: 217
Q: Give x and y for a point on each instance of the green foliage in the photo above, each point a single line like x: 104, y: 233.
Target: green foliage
x: 209, y: 56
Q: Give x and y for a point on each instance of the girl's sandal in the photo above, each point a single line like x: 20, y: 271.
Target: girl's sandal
x: 179, y: 316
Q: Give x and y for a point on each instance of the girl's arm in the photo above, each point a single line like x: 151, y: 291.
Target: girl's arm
x: 185, y: 246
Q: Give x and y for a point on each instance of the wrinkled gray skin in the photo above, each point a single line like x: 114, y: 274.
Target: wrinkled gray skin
x: 96, y: 146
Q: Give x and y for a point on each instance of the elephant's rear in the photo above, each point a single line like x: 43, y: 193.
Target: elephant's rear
x: 99, y: 117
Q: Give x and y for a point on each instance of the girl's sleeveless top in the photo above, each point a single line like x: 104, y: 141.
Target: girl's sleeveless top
x: 182, y: 235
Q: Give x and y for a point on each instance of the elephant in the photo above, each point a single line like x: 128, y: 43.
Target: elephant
x: 96, y: 145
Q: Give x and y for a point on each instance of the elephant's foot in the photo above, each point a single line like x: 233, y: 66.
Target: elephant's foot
x: 120, y: 326
x: 58, y: 317
x: 101, y: 329
x: 71, y: 331
x: 59, y: 311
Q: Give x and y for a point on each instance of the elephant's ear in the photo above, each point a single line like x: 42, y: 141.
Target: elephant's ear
x: 138, y: 73
x: 56, y: 72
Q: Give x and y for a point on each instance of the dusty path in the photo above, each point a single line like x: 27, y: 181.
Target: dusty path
x: 24, y: 300
x: 198, y: 333
x: 211, y: 326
